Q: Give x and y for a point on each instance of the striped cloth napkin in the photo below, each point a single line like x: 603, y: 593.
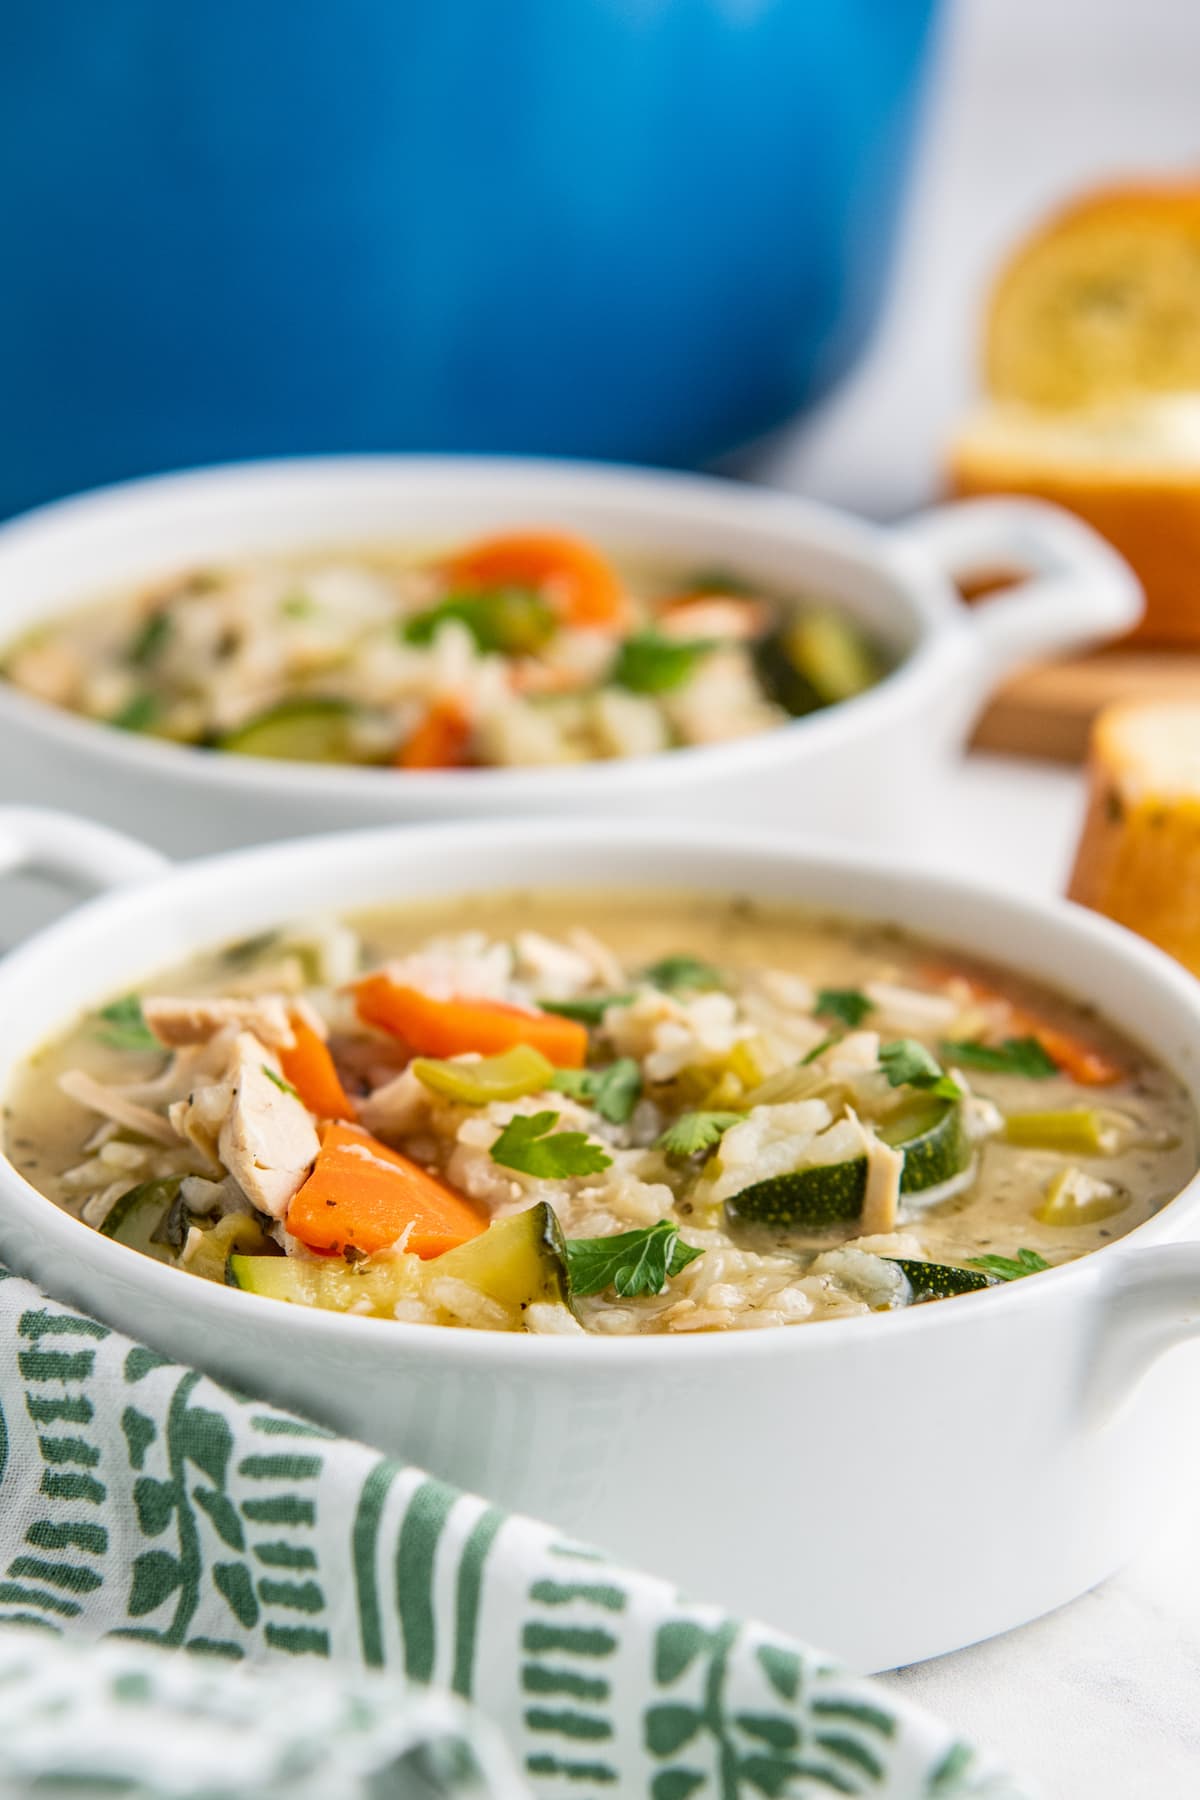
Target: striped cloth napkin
x: 356, y: 1627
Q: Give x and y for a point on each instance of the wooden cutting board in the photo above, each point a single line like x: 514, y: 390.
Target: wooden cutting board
x: 1047, y: 711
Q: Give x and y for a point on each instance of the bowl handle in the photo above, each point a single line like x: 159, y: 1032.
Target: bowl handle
x: 1151, y: 1303
x: 1077, y: 589
x: 72, y: 850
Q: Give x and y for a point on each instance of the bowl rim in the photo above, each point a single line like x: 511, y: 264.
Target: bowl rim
x: 464, y: 1347
x: 922, y: 590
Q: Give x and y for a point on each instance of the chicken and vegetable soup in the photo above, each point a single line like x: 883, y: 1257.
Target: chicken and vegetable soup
x: 636, y: 1114
x: 519, y: 650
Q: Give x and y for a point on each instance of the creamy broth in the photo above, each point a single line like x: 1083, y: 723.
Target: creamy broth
x: 726, y: 1047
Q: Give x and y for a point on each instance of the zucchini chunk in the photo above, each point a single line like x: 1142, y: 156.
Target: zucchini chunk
x: 515, y: 1262
x: 316, y: 728
x: 940, y: 1281
x: 148, y: 1218
x: 927, y: 1128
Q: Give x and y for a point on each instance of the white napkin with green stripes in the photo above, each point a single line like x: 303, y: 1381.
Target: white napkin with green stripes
x: 358, y: 1628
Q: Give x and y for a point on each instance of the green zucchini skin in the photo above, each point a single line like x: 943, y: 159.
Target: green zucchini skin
x: 826, y: 1195
x: 146, y: 1218
x: 930, y: 1132
x: 312, y: 728
x: 928, y: 1129
x: 940, y: 1281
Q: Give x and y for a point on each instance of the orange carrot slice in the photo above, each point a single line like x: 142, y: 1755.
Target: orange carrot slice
x: 582, y: 586
x: 1084, y: 1062
x: 449, y: 1027
x: 440, y: 741
x: 360, y: 1193
x: 310, y: 1069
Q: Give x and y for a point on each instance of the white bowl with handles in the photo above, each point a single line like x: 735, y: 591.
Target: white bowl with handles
x: 856, y: 770
x: 892, y: 1486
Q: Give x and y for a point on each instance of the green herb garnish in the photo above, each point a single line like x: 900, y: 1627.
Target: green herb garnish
x: 297, y: 605
x: 1015, y: 1056
x: 512, y: 621
x: 696, y: 1131
x: 909, y: 1064
x: 1010, y: 1268
x: 613, y: 1091
x: 649, y: 663
x: 633, y: 1262
x: 285, y: 1087
x: 588, y: 1009
x: 682, y: 975
x: 137, y: 714
x: 847, y: 1005
x: 150, y: 640
x: 125, y: 1027
x: 820, y: 1049
x: 530, y: 1143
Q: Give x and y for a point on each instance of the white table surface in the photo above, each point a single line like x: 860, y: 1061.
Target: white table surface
x: 1100, y: 1701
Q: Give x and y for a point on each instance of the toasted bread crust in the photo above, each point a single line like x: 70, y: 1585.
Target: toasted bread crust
x: 1139, y: 854
x: 1150, y: 514
x: 1101, y: 301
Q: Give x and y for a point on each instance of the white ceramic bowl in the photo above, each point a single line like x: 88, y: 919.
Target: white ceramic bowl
x: 856, y: 770
x: 891, y: 1486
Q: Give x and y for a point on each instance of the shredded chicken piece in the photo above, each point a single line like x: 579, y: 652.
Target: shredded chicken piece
x: 398, y: 1107
x: 113, y: 1104
x: 267, y: 1139
x: 882, y: 1197
x: 196, y: 1019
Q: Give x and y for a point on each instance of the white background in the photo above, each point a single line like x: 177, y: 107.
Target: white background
x: 1101, y: 1701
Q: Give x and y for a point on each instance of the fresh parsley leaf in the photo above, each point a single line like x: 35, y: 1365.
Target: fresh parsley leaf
x: 847, y: 1005
x: 530, y: 1144
x: 696, y: 1131
x: 909, y: 1064
x: 137, y: 714
x: 682, y: 974
x: 124, y: 1026
x: 588, y: 1009
x: 512, y: 621
x: 1015, y: 1056
x: 613, y: 1091
x: 633, y: 1262
x: 285, y: 1087
x: 617, y: 1090
x: 150, y: 640
x: 1010, y: 1268
x: 649, y: 663
x: 820, y: 1049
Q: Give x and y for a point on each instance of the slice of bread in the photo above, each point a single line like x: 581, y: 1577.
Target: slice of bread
x: 1139, y: 853
x: 1102, y: 303
x: 1131, y: 468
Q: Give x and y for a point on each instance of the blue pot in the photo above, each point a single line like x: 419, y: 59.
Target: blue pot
x: 645, y: 229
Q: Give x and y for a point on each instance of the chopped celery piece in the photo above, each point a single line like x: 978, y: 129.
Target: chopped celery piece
x: 746, y: 1060
x: 1075, y: 1198
x: 1074, y: 1130
x: 521, y: 1070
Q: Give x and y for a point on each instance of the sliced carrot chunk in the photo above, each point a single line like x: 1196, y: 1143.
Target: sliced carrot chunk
x: 449, y: 1027
x: 310, y: 1069
x: 364, y: 1195
x: 440, y: 741
x: 581, y: 584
